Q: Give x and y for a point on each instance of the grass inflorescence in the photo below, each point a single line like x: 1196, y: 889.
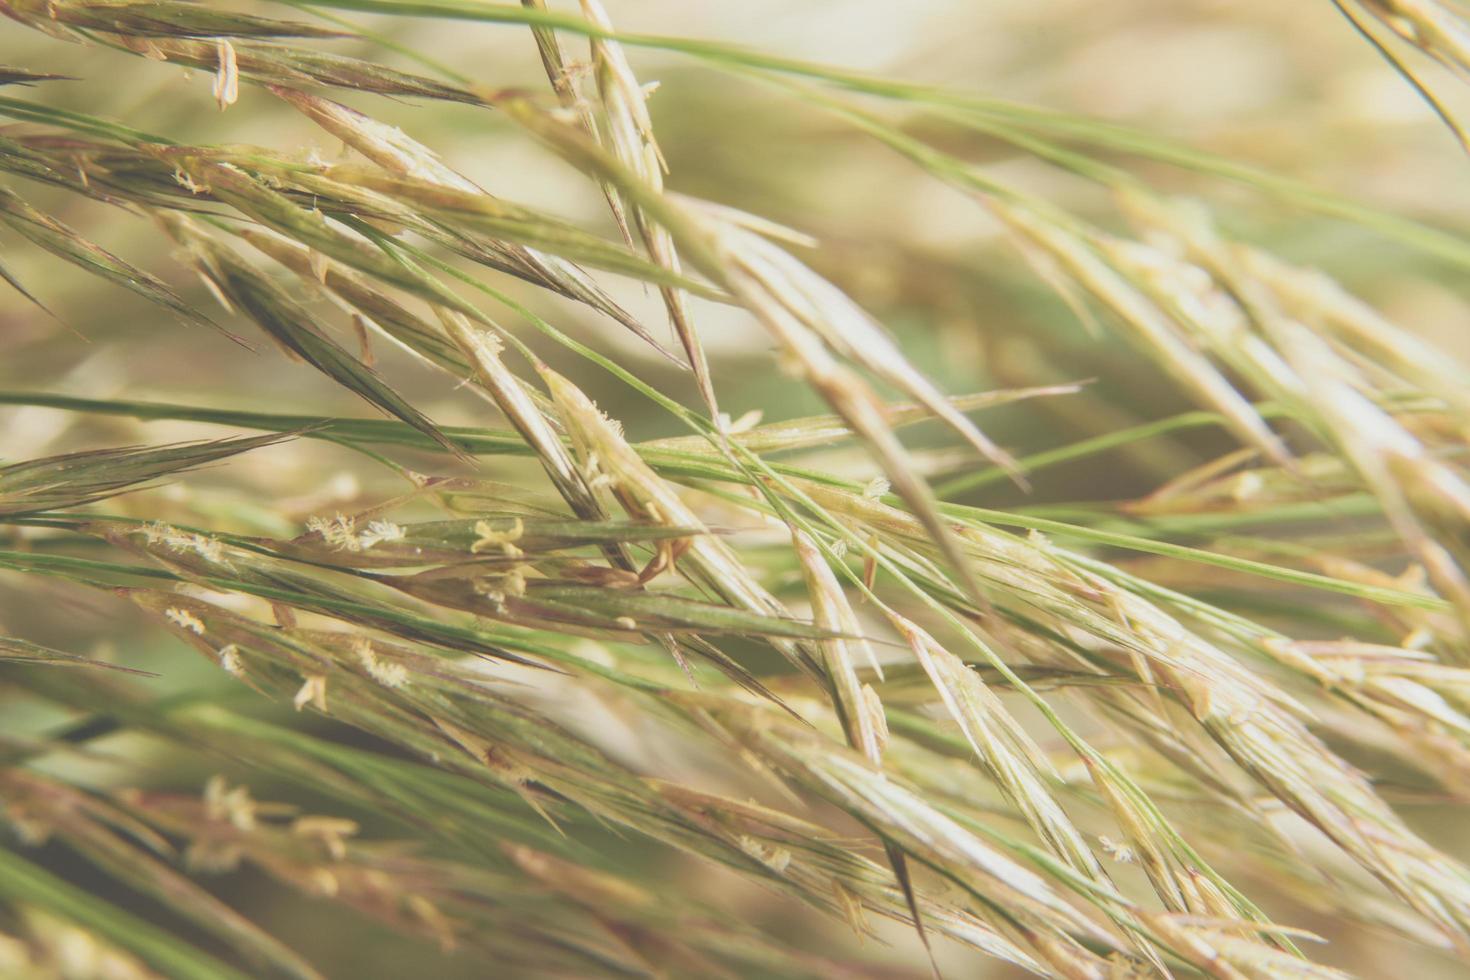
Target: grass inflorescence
x: 1152, y: 658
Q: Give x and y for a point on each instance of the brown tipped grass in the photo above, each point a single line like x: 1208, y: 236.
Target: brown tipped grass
x: 548, y: 666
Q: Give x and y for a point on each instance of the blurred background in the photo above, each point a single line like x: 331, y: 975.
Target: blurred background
x: 1286, y: 87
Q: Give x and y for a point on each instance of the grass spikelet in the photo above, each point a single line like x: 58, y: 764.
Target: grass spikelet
x: 63, y: 242
x: 482, y: 349
x: 609, y: 462
x: 17, y: 651
x: 629, y: 132
x: 72, y: 479
x: 291, y: 327
x: 398, y: 154
x: 857, y: 705
x: 162, y: 18
x: 1141, y: 315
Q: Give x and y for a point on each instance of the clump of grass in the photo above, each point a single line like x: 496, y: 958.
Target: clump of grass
x: 542, y: 694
